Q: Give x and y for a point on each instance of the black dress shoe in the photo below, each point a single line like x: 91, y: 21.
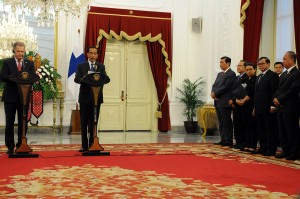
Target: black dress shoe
x: 9, y: 151
x: 239, y: 146
x: 227, y: 144
x: 260, y: 151
x: 250, y: 150
x: 82, y: 150
x: 281, y: 155
x: 292, y: 157
x: 269, y: 153
x: 218, y: 143
x: 18, y: 145
x: 246, y: 149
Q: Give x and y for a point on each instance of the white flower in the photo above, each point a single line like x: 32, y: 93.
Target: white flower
x: 42, y: 67
x: 46, y: 79
x: 51, y: 75
x: 39, y: 70
x: 40, y: 76
x: 43, y: 74
x: 51, y: 69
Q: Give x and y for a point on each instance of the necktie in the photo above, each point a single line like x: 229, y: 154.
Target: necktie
x: 260, y: 77
x: 93, y: 67
x: 19, y: 66
x: 283, y: 75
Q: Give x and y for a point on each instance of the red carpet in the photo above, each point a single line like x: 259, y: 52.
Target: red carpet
x: 162, y: 171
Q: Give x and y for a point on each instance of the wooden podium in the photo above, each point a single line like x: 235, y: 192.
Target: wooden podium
x: 24, y: 82
x: 75, y: 126
x: 95, y: 83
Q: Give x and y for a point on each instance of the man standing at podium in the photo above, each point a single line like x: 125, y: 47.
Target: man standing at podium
x: 85, y: 95
x: 12, y: 102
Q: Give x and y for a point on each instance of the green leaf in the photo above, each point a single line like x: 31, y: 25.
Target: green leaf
x: 190, y: 96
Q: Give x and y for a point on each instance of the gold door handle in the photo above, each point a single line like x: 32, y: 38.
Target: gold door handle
x: 122, y: 96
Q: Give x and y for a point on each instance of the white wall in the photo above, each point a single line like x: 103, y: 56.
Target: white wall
x: 194, y: 54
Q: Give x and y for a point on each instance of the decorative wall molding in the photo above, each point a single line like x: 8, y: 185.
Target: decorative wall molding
x: 153, y: 4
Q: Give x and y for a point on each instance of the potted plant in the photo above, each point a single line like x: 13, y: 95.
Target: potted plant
x: 190, y: 97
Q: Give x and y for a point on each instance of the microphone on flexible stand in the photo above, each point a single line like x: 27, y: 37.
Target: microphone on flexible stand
x: 23, y: 65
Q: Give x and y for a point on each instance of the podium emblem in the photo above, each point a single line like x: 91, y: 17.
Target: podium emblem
x: 96, y: 77
x: 25, y: 75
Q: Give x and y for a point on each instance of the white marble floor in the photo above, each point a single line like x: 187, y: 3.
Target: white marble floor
x: 39, y: 135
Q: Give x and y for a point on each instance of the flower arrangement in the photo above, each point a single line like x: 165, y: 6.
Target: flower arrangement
x: 48, y: 76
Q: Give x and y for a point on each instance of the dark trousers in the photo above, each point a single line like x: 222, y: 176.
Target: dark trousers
x: 225, y: 124
x: 87, y: 113
x: 250, y: 127
x: 265, y: 131
x: 288, y: 124
x: 10, y: 109
x: 239, y: 122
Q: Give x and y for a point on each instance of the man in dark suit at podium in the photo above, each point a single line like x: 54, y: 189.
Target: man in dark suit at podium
x: 85, y: 95
x: 12, y: 102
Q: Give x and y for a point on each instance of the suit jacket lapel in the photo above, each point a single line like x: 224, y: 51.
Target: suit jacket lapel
x: 25, y: 62
x: 219, y: 77
x: 291, y: 72
x: 282, y: 77
x: 87, y: 66
x: 13, y: 63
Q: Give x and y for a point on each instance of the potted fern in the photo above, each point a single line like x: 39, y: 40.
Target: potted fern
x: 190, y: 97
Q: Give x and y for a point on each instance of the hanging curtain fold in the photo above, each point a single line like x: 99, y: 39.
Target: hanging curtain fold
x: 251, y: 21
x: 151, y: 27
x: 156, y: 60
x: 297, y: 28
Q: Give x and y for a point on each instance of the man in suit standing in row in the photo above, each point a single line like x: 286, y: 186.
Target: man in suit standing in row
x: 239, y: 119
x: 287, y: 101
x: 265, y: 87
x: 278, y: 68
x: 12, y: 101
x: 221, y: 93
x: 85, y: 95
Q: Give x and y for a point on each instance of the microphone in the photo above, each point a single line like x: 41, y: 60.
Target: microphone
x: 23, y: 64
x: 96, y: 66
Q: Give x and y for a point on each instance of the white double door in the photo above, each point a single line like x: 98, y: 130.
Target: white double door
x: 130, y: 99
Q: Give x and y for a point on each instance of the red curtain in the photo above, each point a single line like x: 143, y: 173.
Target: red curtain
x: 153, y: 27
x: 252, y: 23
x: 297, y: 28
x: 156, y: 60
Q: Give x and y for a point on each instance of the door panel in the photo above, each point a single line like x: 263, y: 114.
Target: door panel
x: 128, y: 67
x: 112, y: 110
x: 138, y: 87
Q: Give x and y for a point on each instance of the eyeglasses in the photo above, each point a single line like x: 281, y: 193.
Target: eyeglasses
x: 260, y: 64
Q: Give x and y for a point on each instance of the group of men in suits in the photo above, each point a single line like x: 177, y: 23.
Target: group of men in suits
x: 270, y: 103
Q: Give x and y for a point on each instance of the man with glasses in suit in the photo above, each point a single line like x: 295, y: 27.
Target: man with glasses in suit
x: 265, y: 88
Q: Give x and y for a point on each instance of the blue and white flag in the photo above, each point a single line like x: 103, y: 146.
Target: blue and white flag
x: 77, y: 57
